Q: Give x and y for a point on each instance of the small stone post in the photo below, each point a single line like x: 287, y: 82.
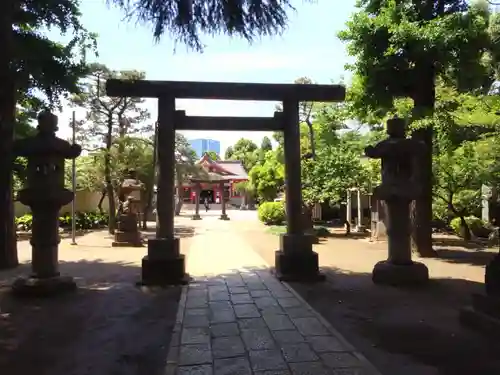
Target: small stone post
x: 348, y: 211
x: 399, y: 187
x: 296, y: 260
x: 45, y: 194
x: 360, y: 227
x: 223, y: 215
x: 196, y: 216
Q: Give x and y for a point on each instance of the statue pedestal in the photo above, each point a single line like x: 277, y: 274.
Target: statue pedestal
x: 164, y: 265
x: 296, y: 261
x: 399, y: 269
x: 388, y: 273
x: 43, y: 287
x: 127, y: 234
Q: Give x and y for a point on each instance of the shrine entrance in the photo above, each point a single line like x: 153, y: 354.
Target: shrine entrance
x: 295, y: 260
x: 208, y: 194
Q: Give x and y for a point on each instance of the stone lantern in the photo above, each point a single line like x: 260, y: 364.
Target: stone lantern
x: 127, y: 233
x: 399, y: 187
x: 45, y: 194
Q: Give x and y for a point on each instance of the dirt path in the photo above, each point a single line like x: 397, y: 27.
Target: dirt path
x: 108, y: 327
x: 411, y: 332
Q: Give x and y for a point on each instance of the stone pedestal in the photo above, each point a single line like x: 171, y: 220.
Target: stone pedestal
x: 484, y: 314
x: 127, y: 234
x: 224, y: 217
x: 296, y: 261
x: 196, y: 217
x: 399, y: 269
x: 411, y: 274
x: 43, y: 287
x: 164, y: 265
x: 360, y: 229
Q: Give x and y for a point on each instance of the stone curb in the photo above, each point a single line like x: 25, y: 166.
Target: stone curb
x: 364, y: 361
x: 175, y: 340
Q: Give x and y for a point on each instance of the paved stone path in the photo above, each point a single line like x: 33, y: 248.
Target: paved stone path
x: 235, y: 318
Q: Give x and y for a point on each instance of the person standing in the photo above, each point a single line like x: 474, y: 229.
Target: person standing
x: 205, y: 203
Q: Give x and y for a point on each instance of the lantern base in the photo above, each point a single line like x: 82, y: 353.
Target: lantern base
x: 43, y: 287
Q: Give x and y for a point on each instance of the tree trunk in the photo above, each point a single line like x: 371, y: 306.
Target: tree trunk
x: 464, y: 229
x: 101, y: 200
x: 424, y: 97
x: 179, y: 201
x: 8, y: 241
x: 311, y: 139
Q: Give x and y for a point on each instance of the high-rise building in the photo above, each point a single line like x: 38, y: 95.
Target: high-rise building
x: 202, y: 145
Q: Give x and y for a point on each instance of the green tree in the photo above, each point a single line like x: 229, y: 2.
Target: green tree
x: 400, y: 49
x: 185, y: 167
x: 107, y: 124
x: 326, y: 179
x: 229, y: 153
x: 244, y: 151
x: 268, y: 179
x: 458, y: 174
x: 213, y: 155
x: 247, y: 189
x: 266, y: 144
x: 31, y: 62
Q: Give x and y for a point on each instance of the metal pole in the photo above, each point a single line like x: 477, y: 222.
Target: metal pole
x: 73, y: 180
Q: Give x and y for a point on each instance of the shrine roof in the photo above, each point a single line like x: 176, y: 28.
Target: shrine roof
x: 232, y: 169
x: 211, y: 177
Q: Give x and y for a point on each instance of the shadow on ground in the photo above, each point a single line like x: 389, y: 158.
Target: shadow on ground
x: 463, y: 256
x: 401, y: 331
x: 446, y: 241
x: 181, y: 231
x: 108, y: 327
x: 419, y: 325
x: 343, y: 236
x: 25, y: 236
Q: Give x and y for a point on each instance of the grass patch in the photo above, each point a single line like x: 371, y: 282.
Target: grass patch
x: 319, y: 230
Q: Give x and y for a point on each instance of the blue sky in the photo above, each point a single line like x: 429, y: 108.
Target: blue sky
x: 309, y: 48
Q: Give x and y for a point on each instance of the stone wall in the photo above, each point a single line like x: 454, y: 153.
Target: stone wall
x: 85, y: 201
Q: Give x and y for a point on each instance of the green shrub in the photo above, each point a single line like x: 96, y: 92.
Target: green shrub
x: 83, y: 221
x: 475, y: 224
x: 321, y: 231
x: 24, y: 222
x: 271, y: 213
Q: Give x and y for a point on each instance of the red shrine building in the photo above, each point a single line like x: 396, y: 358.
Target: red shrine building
x: 231, y: 171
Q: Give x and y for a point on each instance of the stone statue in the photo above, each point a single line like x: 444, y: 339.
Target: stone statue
x: 399, y: 187
x: 129, y: 206
x: 44, y: 192
x: 398, y: 155
x: 129, y: 195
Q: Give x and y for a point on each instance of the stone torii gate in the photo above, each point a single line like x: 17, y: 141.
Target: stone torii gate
x: 295, y: 260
